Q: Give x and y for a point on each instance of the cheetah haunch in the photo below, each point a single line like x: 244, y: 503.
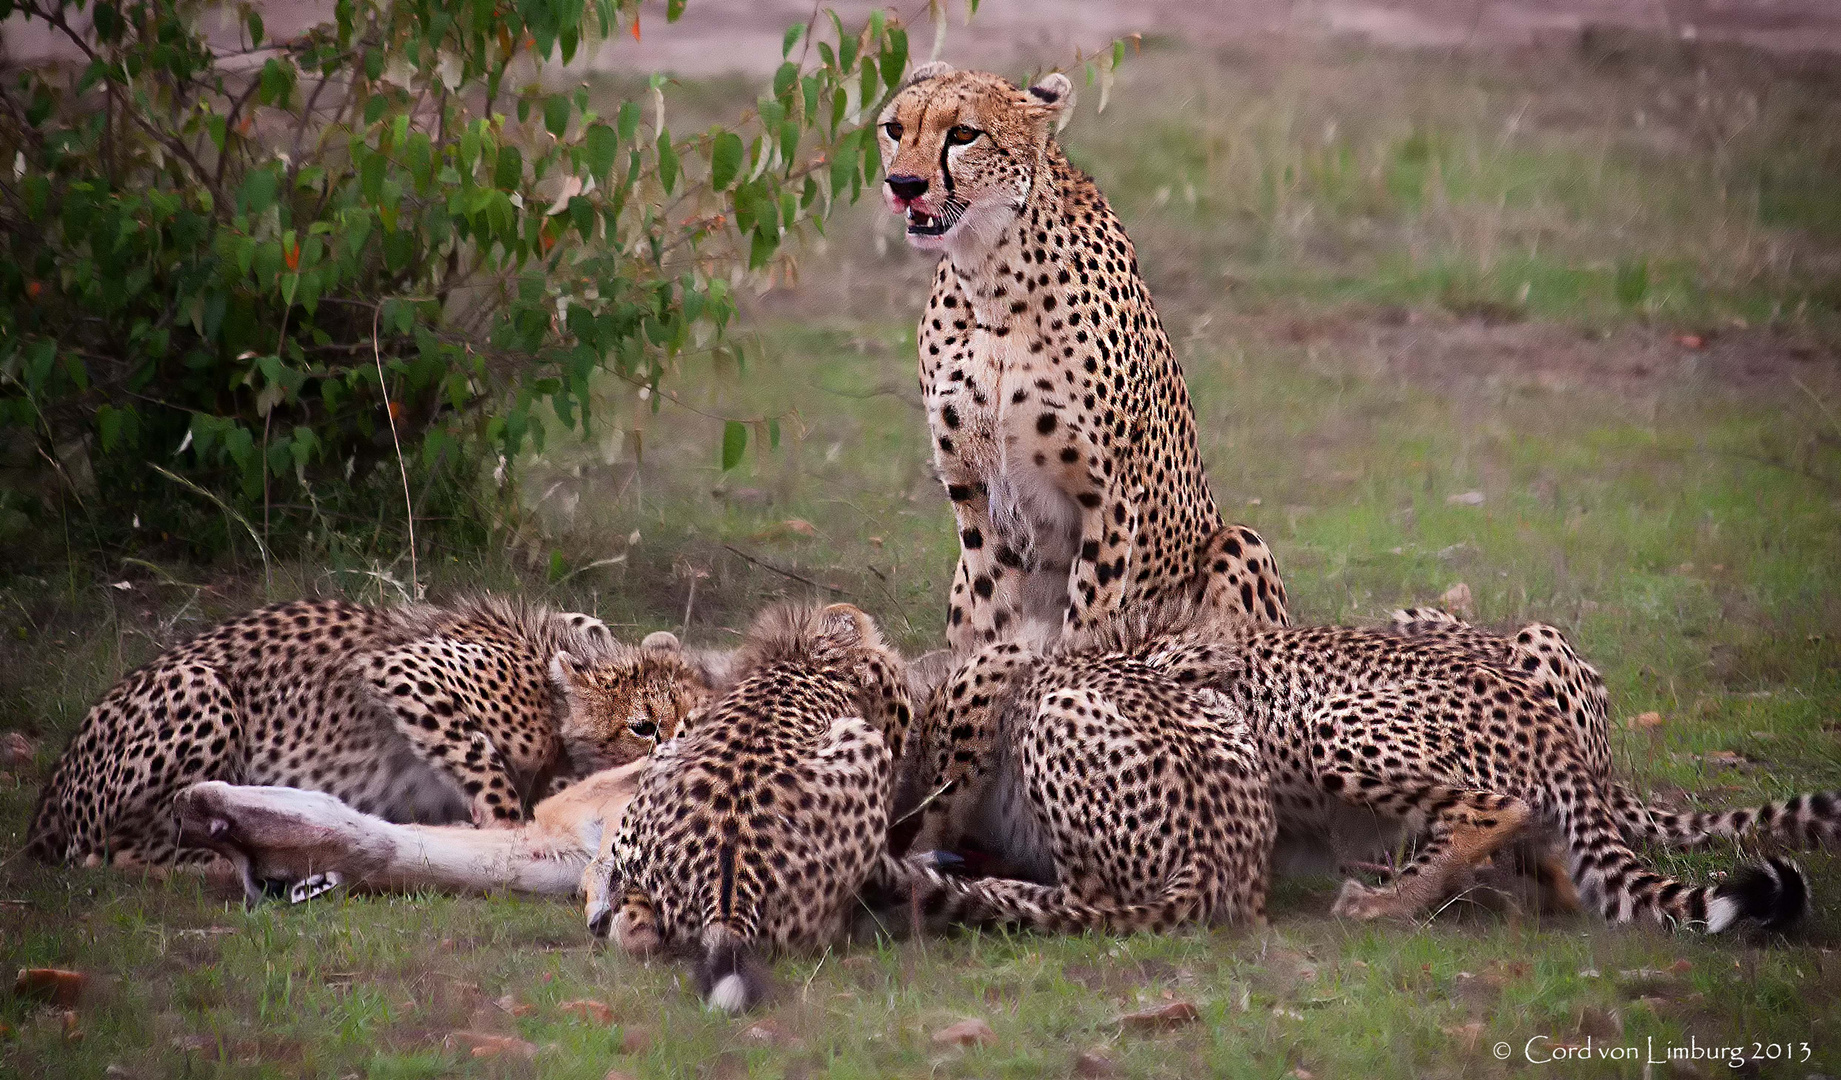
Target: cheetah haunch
x: 1061, y: 425
x: 415, y: 713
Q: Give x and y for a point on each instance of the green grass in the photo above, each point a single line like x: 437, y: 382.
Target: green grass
x: 1348, y: 303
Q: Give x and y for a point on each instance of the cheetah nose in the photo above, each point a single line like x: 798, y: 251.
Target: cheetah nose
x: 601, y: 921
x: 906, y: 186
x: 218, y: 827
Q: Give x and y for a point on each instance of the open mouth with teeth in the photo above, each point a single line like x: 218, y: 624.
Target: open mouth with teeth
x: 922, y: 222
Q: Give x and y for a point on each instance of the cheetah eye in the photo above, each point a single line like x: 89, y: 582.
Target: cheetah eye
x: 645, y: 729
x: 893, y: 130
x: 959, y: 135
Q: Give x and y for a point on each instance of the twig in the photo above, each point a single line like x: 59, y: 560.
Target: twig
x: 785, y: 573
x: 383, y: 387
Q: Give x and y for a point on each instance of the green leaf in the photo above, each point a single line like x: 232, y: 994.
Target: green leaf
x: 667, y: 162
x: 895, y: 57
x: 258, y: 193
x: 773, y: 433
x: 629, y: 120
x: 734, y: 442
x: 725, y: 160
x: 674, y: 10
x: 556, y: 114
x: 558, y: 567
x: 602, y: 146
x: 509, y: 174
x: 793, y: 34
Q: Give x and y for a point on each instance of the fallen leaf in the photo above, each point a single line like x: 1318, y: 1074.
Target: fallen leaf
x: 634, y: 1040
x: 69, y: 1020
x: 966, y: 1033
x: 515, y: 1007
x: 1467, y: 1034
x: 1467, y: 498
x: 1095, y: 1062
x: 483, y: 1045
x: 801, y: 526
x: 767, y: 1031
x: 876, y: 541
x: 1680, y: 967
x: 53, y: 985
x: 1162, y: 1018
x: 16, y: 749
x: 1600, y: 1024
x: 1301, y: 1073
x: 1457, y: 600
x: 194, y: 1044
x: 1690, y: 341
x: 1646, y: 720
x: 595, y: 1012
x: 616, y: 1074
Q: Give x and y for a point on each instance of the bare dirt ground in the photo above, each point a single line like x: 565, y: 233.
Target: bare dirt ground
x: 722, y: 36
x: 729, y: 35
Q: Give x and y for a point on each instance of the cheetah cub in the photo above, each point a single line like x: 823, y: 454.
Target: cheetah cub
x: 414, y: 714
x: 1062, y: 428
x: 1448, y: 732
x: 760, y: 821
x: 1129, y: 800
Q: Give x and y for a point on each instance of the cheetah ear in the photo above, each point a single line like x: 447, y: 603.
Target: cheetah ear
x: 932, y: 69
x: 1053, y: 95
x: 662, y: 641
x: 846, y: 626
x: 565, y: 672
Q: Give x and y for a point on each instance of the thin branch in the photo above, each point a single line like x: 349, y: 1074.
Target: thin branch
x: 786, y: 573
x: 383, y: 387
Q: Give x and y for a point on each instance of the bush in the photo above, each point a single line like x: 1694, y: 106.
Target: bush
x: 257, y: 267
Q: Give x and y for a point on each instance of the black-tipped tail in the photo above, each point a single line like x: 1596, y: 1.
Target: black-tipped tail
x: 729, y: 977
x: 1774, y: 895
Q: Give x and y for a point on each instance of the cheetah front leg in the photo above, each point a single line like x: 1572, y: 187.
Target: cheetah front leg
x: 1108, y: 533
x: 986, y: 601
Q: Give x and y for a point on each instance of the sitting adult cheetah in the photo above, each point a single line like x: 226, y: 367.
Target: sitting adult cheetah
x: 760, y: 821
x: 1062, y: 428
x: 1431, y: 729
x: 1130, y: 801
x: 412, y: 713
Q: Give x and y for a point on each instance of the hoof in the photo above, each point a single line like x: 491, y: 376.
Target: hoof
x: 318, y: 884
x: 1358, y: 901
x: 600, y: 919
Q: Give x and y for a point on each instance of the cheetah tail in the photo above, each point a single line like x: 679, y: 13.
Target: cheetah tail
x: 1045, y: 908
x: 1805, y: 821
x: 1610, y: 876
x: 729, y: 977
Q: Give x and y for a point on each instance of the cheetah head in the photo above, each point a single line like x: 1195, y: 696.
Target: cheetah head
x: 963, y: 149
x: 622, y: 702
